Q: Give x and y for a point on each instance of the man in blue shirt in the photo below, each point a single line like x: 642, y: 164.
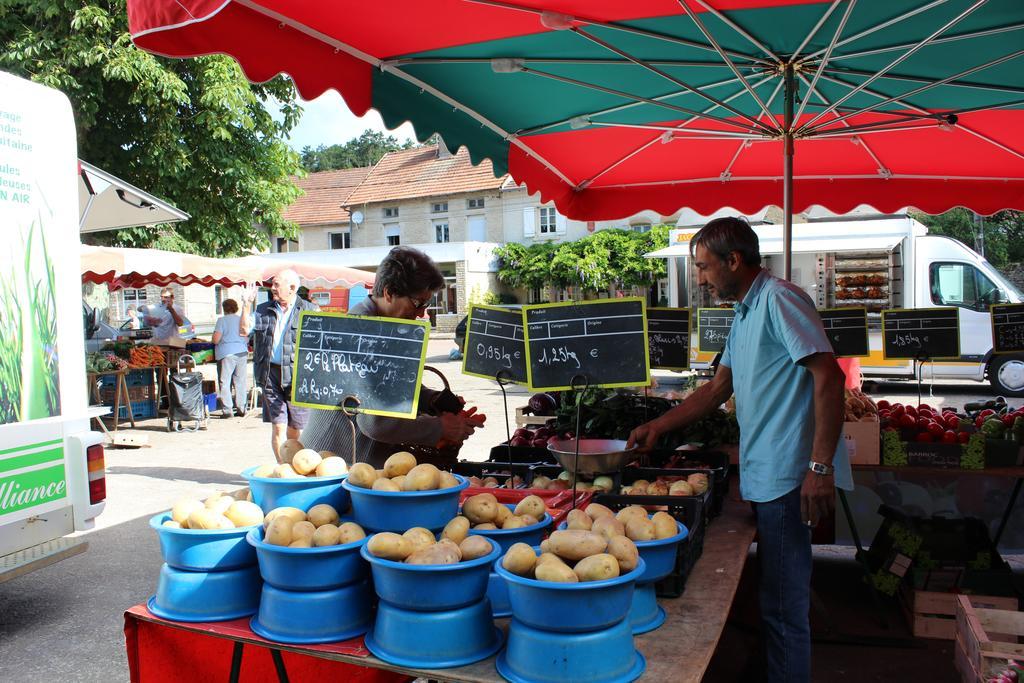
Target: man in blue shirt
x: 789, y: 405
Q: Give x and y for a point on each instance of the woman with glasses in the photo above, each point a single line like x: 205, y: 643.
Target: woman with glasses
x: 406, y: 282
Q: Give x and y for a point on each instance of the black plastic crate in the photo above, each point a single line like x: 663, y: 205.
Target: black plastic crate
x: 716, y: 461
x: 632, y: 474
x: 686, y: 509
x: 498, y: 470
x: 523, y: 454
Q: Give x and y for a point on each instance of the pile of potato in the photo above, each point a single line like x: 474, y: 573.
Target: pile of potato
x: 483, y: 512
x: 418, y: 545
x: 693, y: 485
x: 219, y: 511
x: 300, y: 461
x: 316, y: 528
x: 564, y: 482
x: 401, y: 473
x: 493, y: 483
x: 597, y: 544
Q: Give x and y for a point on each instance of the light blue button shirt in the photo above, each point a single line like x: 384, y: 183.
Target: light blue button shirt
x: 277, y: 349
x: 231, y: 343
x: 776, y: 326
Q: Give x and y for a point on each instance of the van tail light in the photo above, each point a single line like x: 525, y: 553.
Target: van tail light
x: 97, y: 474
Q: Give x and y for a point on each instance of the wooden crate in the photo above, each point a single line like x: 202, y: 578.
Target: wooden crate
x: 933, y: 615
x: 986, y: 639
x: 530, y: 421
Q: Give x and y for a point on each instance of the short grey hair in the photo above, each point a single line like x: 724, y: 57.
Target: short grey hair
x: 406, y: 271
x: 288, y: 276
x: 723, y: 236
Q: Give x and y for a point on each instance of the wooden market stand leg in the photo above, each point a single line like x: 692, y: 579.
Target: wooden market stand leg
x: 236, y: 663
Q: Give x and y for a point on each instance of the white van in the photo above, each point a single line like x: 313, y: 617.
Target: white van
x: 879, y: 264
x: 52, y: 478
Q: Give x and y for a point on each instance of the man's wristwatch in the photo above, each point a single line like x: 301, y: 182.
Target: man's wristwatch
x: 820, y: 468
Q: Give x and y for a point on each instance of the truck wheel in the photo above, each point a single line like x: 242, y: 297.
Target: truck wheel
x: 1006, y: 375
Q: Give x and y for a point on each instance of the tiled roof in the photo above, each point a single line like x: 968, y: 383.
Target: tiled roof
x: 325, y: 193
x: 418, y: 172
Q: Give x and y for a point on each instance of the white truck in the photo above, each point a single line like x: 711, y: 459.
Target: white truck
x: 879, y: 264
x: 52, y: 477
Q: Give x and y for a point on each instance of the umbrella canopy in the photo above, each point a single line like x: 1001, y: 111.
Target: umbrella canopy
x: 611, y: 107
x: 121, y: 267
x: 105, y: 202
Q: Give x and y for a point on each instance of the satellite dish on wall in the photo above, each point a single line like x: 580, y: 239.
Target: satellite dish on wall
x: 357, y: 217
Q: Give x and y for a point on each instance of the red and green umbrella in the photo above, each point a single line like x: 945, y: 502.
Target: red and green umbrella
x: 608, y: 107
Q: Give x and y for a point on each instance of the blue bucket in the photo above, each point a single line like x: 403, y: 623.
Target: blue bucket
x: 297, y: 492
x: 431, y: 587
x: 308, y: 569
x: 399, y: 511
x: 570, y: 607
x: 314, y: 616
x: 497, y: 593
x: 434, y: 640
x: 645, y: 614
x: 206, y: 596
x: 203, y: 550
x: 660, y: 555
x: 540, y: 656
x: 531, y: 535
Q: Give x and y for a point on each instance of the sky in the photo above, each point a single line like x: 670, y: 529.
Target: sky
x: 328, y: 121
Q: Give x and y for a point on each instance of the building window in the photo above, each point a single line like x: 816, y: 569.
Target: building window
x: 131, y: 298
x: 476, y: 203
x: 439, y: 207
x: 286, y: 246
x: 641, y: 227
x: 341, y: 240
x: 441, y: 232
x: 218, y: 299
x: 392, y: 234
x: 547, y: 220
x: 390, y: 212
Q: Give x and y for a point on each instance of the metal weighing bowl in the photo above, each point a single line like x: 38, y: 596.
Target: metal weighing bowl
x: 597, y: 456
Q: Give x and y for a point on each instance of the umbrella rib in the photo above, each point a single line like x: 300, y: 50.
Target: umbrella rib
x: 740, y: 30
x: 814, y: 31
x: 727, y: 171
x: 672, y: 79
x: 938, y: 41
x: 725, y: 57
x: 622, y: 27
x: 709, y: 132
x: 404, y: 61
x: 917, y: 91
x: 831, y: 176
x: 919, y: 79
x: 874, y: 157
x: 828, y: 53
x: 899, y: 60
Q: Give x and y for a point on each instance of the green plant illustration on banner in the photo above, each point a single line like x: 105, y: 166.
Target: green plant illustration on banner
x: 28, y: 322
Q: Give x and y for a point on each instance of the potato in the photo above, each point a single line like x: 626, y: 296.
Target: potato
x: 350, y: 532
x: 285, y: 471
x: 304, y: 542
x: 664, y: 525
x: 519, y: 559
x: 439, y: 553
x: 698, y: 481
x: 502, y: 512
x: 641, y: 485
x: 243, y: 513
x: 219, y: 502
x: 597, y: 567
x: 302, y: 529
x: 389, y: 546
x: 419, y: 537
x: 658, y: 488
x: 457, y: 529
x: 322, y: 514
x: 608, y: 527
x: 574, y: 545
x: 627, y: 513
x: 513, y: 522
x: 172, y: 524
x: 531, y: 505
x: 399, y: 463
x: 204, y: 518
x: 486, y: 526
x: 558, y: 572
x: 490, y: 483
x: 473, y: 547
x: 264, y: 471
x: 289, y: 448
x: 595, y: 510
x: 640, y: 529
x: 294, y: 514
x: 625, y: 551
x: 481, y: 508
x: 325, y: 535
x: 424, y: 477
x: 397, y: 481
x: 448, y: 481
x: 330, y: 466
x: 545, y: 546
x: 280, y: 531
x: 328, y: 454
x: 306, y: 461
x: 183, y: 508
x: 540, y: 482
x: 578, y: 519
x: 549, y: 557
x: 681, y: 488
x: 637, y: 489
x: 451, y: 544
x: 384, y: 484
x: 248, y: 495
x: 529, y: 520
x: 362, y: 475
x: 380, y: 473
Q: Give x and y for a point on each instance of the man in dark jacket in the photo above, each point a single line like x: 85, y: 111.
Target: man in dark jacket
x: 276, y: 324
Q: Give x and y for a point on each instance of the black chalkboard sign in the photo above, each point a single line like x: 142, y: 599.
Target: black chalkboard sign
x: 847, y: 330
x: 379, y: 361
x: 668, y: 336
x: 604, y: 341
x: 1007, y: 328
x: 921, y: 333
x: 713, y: 325
x: 495, y: 342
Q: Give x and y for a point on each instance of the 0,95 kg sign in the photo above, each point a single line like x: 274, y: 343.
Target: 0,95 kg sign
x: 495, y: 343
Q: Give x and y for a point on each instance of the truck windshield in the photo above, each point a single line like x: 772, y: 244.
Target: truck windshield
x: 965, y: 285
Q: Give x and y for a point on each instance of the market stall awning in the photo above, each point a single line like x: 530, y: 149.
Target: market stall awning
x: 105, y: 202
x: 312, y: 272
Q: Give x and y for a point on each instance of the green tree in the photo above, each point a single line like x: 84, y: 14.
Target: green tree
x: 1003, y: 231
x: 194, y: 132
x: 365, y: 150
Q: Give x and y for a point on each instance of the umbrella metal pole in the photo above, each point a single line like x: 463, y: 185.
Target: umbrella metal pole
x: 503, y: 377
x: 787, y: 172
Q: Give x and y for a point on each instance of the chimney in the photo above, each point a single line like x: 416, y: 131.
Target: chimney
x: 442, y: 149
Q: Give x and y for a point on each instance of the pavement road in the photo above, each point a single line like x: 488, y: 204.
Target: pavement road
x: 64, y: 622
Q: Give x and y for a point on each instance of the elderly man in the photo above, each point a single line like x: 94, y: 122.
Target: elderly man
x: 275, y: 325
x: 166, y: 319
x: 789, y: 403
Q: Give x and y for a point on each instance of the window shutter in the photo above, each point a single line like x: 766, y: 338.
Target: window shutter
x: 559, y: 223
x: 528, y: 213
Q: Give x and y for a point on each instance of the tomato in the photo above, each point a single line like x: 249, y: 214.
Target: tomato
x: 883, y: 404
x: 925, y: 437
x: 922, y: 423
x: 883, y: 414
x: 1008, y: 419
x: 936, y: 430
x: 963, y: 437
x: 910, y: 410
x: 952, y: 421
x: 906, y: 422
x: 924, y: 406
x: 898, y: 409
x: 949, y: 436
x: 978, y: 421
x: 985, y: 414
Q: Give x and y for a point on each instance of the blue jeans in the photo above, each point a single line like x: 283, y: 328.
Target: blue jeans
x: 233, y: 372
x: 784, y: 554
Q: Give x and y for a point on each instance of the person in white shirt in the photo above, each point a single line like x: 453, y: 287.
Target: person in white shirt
x: 165, y: 319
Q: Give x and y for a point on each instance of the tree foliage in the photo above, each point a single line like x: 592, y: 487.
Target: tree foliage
x: 1003, y: 232
x: 194, y: 132
x: 598, y: 262
x: 365, y: 150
